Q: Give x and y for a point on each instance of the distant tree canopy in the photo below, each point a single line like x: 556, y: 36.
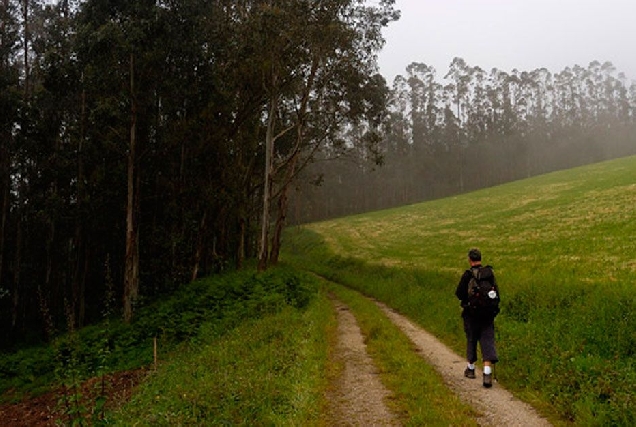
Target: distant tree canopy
x: 144, y: 143
x: 473, y: 129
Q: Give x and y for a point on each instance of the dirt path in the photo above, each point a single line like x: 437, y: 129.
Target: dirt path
x: 357, y: 396
x: 498, y: 406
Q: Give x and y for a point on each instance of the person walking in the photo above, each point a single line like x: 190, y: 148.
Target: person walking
x: 479, y: 315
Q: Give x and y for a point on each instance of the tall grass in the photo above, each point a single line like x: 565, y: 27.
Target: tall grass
x: 269, y: 371
x: 562, y: 246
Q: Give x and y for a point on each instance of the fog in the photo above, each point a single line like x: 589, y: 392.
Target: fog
x: 509, y: 34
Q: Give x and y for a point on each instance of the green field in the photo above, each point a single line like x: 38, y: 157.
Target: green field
x: 563, y: 246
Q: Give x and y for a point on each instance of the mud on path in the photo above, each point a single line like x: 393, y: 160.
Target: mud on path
x: 359, y: 394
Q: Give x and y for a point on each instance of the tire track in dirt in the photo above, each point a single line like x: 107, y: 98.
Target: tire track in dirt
x: 357, y: 395
x: 497, y: 405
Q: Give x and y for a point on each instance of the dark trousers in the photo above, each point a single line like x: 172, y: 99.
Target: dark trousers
x: 480, y: 331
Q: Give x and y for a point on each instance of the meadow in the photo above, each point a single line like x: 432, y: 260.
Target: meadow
x: 562, y: 246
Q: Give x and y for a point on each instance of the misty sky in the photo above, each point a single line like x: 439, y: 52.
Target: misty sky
x: 507, y: 34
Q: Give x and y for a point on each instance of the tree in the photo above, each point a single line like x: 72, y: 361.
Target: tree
x: 313, y: 79
x: 119, y: 37
x: 9, y: 106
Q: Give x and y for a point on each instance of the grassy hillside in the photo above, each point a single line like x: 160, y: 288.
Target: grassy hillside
x: 562, y: 246
x: 237, y: 348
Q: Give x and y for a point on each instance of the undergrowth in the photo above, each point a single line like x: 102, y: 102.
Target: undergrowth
x: 268, y: 371
x: 217, y: 304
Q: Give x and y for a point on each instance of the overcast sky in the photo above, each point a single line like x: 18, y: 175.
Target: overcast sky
x: 507, y: 34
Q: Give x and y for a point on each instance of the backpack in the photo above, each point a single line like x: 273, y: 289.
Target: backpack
x: 483, y: 298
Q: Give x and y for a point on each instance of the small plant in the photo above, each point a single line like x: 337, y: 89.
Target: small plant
x: 104, y: 351
x: 72, y: 359
x: 68, y: 372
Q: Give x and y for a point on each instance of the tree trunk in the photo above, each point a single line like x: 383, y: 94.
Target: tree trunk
x: 267, y: 184
x: 199, y: 247
x: 81, y: 261
x: 16, y: 297
x: 282, y: 212
x: 5, y: 182
x: 5, y: 163
x: 15, y: 313
x: 131, y: 272
x: 278, y: 228
x: 25, y: 46
x: 240, y: 252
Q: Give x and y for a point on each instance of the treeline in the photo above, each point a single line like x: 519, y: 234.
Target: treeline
x: 145, y: 143
x: 472, y: 129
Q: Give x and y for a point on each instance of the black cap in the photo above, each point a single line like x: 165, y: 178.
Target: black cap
x: 474, y: 254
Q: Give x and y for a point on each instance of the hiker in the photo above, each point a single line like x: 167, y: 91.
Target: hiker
x: 479, y: 315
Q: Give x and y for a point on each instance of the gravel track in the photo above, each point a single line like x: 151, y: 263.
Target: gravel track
x: 357, y: 396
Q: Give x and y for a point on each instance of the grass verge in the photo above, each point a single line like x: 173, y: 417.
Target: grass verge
x: 420, y: 395
x: 265, y: 372
x: 202, y: 312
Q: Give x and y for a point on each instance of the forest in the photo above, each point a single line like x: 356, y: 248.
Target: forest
x: 146, y: 143
x: 470, y: 129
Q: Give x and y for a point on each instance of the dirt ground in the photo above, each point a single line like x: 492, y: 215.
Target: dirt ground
x: 356, y: 396
x: 352, y: 407
x: 46, y: 410
x: 497, y: 406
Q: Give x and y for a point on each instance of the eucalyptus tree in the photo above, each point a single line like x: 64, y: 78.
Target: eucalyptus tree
x: 55, y: 114
x: 458, y: 92
x: 24, y: 163
x: 37, y: 64
x: 9, y: 109
x: 399, y: 128
x: 120, y: 71
x: 417, y: 102
x: 565, y: 98
x: 541, y: 86
x: 594, y: 87
x: 632, y: 103
x: 622, y: 98
x: 609, y: 102
x: 477, y: 108
x: 425, y: 93
x: 212, y: 97
x: 508, y: 83
x: 318, y: 61
x: 459, y: 75
x: 536, y: 90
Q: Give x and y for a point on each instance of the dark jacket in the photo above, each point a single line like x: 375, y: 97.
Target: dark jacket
x: 461, y: 292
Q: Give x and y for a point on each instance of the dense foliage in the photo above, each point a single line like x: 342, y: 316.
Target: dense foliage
x: 143, y: 142
x: 267, y: 371
x: 211, y: 306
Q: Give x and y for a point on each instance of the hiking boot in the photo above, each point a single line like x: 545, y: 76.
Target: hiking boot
x: 487, y: 380
x: 469, y: 373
